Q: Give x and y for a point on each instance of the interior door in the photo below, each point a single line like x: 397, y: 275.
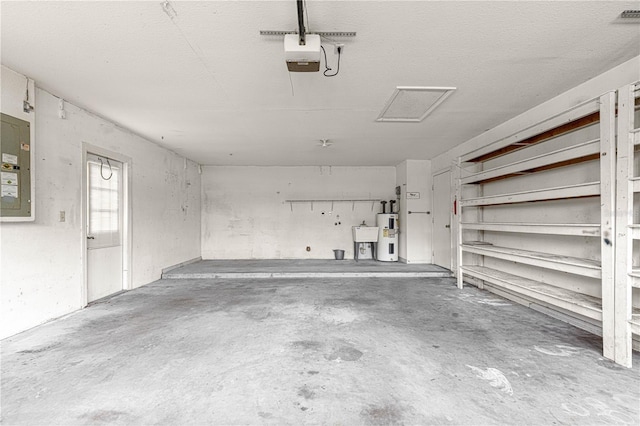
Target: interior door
x: 442, y: 219
x: 104, y: 226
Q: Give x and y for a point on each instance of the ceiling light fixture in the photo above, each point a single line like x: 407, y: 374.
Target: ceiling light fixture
x: 411, y: 104
x: 324, y: 143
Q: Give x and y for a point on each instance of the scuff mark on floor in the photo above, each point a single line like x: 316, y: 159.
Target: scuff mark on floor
x: 562, y: 350
x: 494, y: 377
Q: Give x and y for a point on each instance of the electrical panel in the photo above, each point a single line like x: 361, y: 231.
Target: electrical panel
x: 15, y: 169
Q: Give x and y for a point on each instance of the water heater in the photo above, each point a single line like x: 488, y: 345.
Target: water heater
x: 387, y: 237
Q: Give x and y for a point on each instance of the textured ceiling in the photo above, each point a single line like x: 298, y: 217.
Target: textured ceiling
x: 206, y: 84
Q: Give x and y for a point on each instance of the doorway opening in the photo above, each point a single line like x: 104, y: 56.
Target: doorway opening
x: 442, y: 217
x: 106, y: 224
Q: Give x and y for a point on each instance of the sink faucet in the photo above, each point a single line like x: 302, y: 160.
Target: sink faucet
x: 363, y: 223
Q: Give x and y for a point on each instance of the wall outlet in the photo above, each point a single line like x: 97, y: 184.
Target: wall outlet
x: 336, y: 46
x: 62, y: 215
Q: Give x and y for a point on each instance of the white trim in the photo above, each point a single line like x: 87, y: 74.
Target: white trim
x: 181, y: 264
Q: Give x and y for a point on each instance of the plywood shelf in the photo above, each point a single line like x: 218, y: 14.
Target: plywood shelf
x: 635, y: 324
x: 579, y: 116
x: 634, y: 231
x: 586, y: 229
x: 572, y: 265
x: 586, y: 151
x: 589, y: 189
x: 634, y: 277
x: 572, y: 301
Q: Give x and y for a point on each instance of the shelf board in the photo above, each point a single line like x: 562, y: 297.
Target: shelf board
x: 635, y: 277
x: 581, y: 229
x: 572, y: 301
x: 589, y: 189
x: 572, y: 265
x: 635, y: 184
x: 634, y: 231
x: 586, y: 151
x: 635, y: 324
x: 580, y: 116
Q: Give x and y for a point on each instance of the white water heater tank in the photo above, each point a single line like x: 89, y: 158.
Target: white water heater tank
x: 387, y: 237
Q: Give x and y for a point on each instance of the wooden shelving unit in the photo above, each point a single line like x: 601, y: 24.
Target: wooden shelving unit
x: 627, y: 322
x: 481, y: 259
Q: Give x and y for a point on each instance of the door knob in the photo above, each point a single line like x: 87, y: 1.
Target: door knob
x: 91, y: 238
x: 447, y: 226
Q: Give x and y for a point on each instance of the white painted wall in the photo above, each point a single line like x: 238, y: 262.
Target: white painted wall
x: 414, y: 176
x: 245, y: 215
x: 41, y: 261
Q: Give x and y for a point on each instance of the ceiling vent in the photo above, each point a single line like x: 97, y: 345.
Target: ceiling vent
x: 630, y: 14
x: 412, y: 104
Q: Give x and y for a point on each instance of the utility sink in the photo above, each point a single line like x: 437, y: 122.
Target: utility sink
x: 365, y: 234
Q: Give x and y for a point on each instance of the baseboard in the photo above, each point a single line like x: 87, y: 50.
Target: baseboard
x: 181, y: 264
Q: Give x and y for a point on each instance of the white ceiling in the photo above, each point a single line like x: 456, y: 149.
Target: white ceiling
x: 209, y: 87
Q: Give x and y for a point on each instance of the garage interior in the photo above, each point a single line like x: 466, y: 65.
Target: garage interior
x: 286, y: 212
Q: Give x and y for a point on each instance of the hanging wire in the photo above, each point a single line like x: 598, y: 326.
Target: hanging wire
x: 291, y: 82
x: 326, y: 66
x: 110, y: 169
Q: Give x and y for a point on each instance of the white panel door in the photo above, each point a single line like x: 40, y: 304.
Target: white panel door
x: 104, y: 227
x: 442, y: 219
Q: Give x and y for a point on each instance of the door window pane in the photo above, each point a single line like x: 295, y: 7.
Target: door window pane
x: 104, y: 222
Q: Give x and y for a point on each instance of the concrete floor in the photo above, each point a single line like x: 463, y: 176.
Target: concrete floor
x: 324, y: 351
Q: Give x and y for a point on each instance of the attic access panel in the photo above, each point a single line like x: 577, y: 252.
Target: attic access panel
x: 412, y: 104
